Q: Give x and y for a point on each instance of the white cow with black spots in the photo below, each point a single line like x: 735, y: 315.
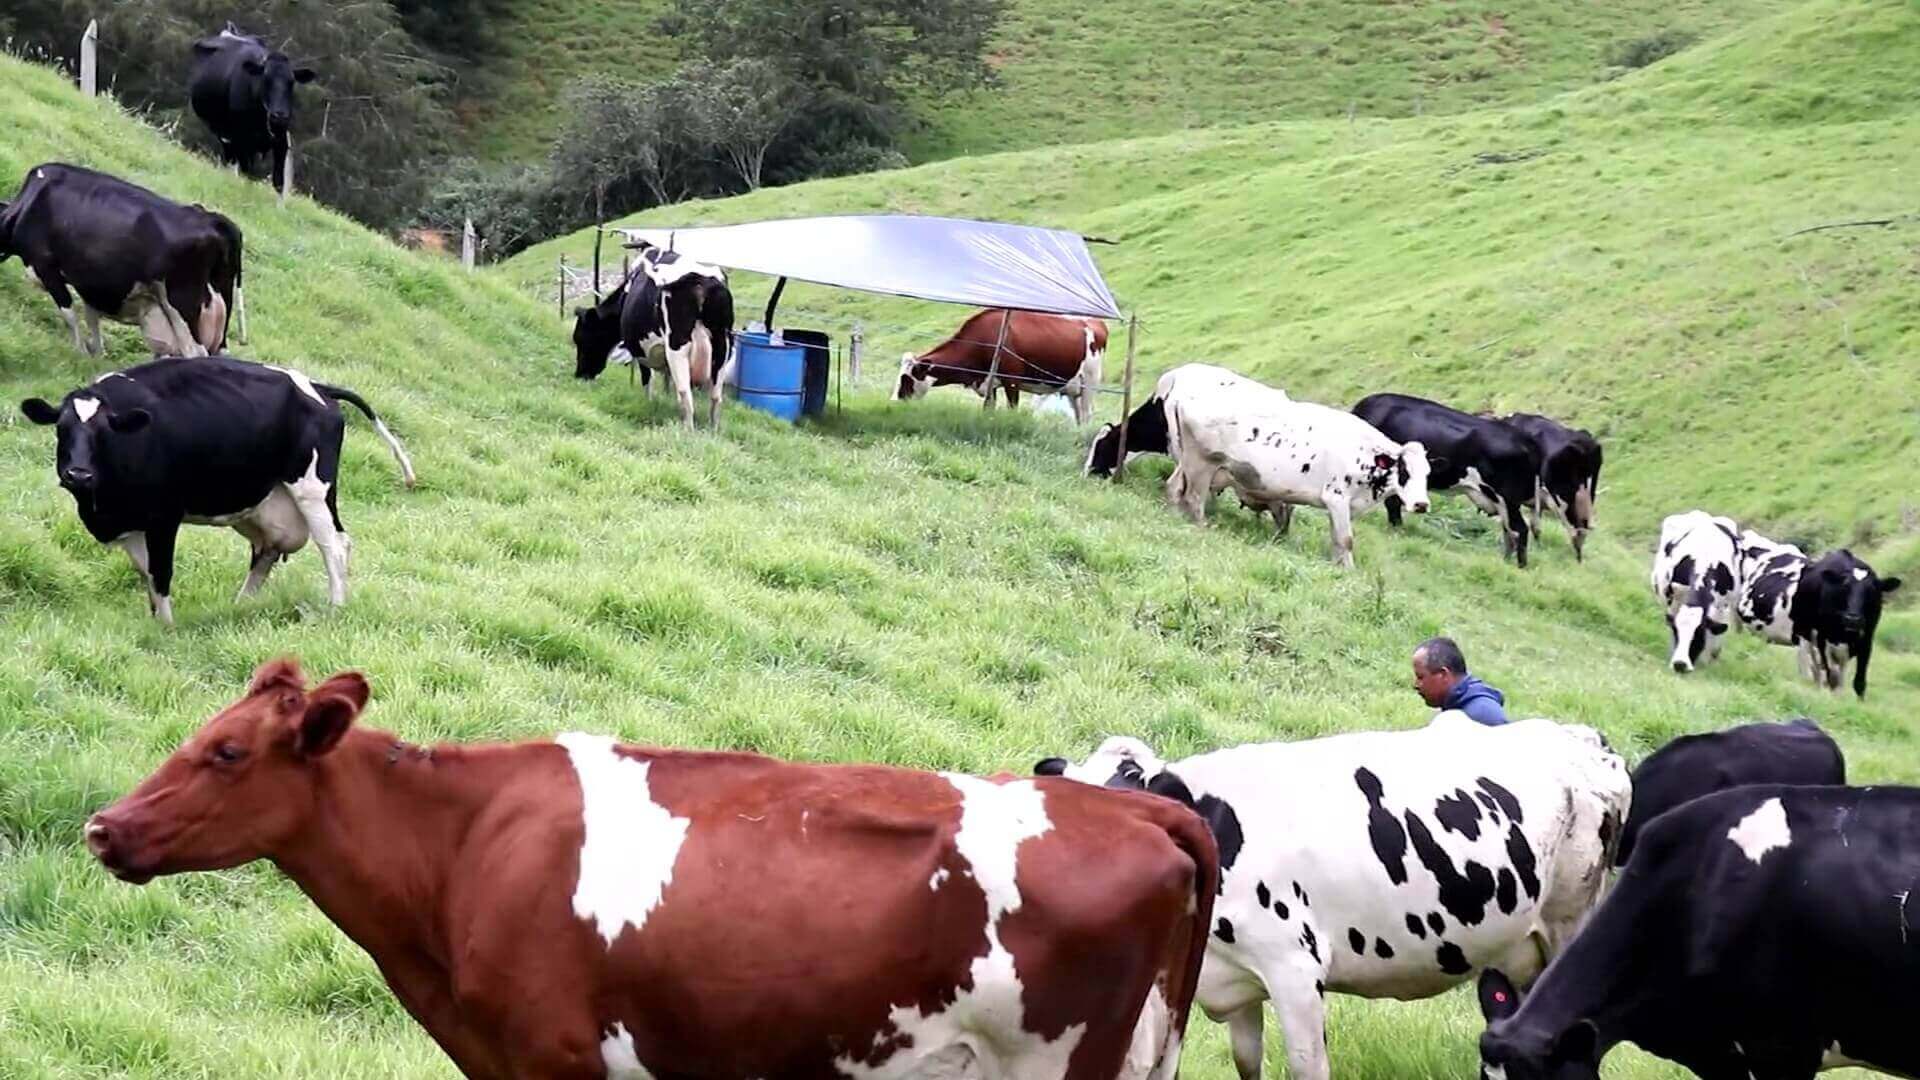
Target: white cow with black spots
x: 1696, y: 575
x: 1385, y: 864
x: 1278, y: 454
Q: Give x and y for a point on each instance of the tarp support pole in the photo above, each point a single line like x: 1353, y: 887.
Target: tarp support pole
x: 993, y: 366
x: 1126, y: 399
x: 599, y: 234
x: 774, y: 302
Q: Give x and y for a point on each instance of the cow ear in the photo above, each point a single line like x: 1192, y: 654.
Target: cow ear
x: 130, y: 421
x: 304, y: 75
x: 40, y: 412
x: 1053, y: 766
x: 1889, y: 584
x: 1579, y: 1044
x: 254, y: 67
x: 331, y: 710
x: 1498, y: 998
x: 1383, y: 461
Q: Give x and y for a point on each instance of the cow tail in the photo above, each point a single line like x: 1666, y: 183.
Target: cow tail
x: 1194, y: 838
x: 236, y: 303
x: 341, y: 393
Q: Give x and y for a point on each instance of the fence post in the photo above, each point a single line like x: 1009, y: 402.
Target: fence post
x: 856, y: 345
x: 1126, y: 399
x: 89, y: 60
x: 286, y: 175
x: 562, y: 291
x: 466, y: 245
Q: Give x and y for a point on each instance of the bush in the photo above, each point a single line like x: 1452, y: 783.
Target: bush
x: 1653, y: 48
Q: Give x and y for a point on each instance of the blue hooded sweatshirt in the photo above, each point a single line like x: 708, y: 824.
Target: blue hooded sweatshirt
x: 1478, y: 700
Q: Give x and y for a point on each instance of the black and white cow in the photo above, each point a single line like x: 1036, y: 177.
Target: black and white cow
x: 671, y: 313
x: 1570, y: 460
x: 1696, y: 575
x: 208, y: 441
x: 1384, y: 864
x: 1496, y: 466
x: 1828, y: 608
x: 1147, y: 424
x: 1759, y: 933
x: 133, y: 256
x: 1795, y: 752
x: 1279, y: 453
x: 243, y: 91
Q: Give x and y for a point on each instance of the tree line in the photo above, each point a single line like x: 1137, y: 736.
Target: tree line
x: 772, y: 94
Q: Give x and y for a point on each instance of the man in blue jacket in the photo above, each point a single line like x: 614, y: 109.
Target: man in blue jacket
x: 1440, y: 675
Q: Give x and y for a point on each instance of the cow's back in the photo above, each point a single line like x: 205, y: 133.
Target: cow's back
x: 1691, y: 766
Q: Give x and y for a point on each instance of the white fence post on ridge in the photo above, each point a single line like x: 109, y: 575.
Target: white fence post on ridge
x: 89, y: 59
x: 466, y: 245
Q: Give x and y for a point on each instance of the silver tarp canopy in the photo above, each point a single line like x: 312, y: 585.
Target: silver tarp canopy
x: 953, y: 260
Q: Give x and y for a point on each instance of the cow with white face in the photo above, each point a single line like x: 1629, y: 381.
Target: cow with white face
x: 1384, y: 864
x: 1696, y: 574
x: 1280, y: 454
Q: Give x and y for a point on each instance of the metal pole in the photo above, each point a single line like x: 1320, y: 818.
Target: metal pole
x: 599, y: 234
x: 1126, y: 399
x: 89, y: 62
x: 993, y: 366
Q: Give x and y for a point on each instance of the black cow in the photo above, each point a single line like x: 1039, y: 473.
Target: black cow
x: 133, y: 256
x: 671, y: 306
x: 1796, y: 752
x: 1760, y: 933
x: 208, y: 441
x: 1570, y: 460
x: 243, y: 91
x: 1497, y: 466
x: 1828, y: 608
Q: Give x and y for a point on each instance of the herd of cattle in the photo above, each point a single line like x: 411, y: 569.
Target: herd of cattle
x: 584, y: 908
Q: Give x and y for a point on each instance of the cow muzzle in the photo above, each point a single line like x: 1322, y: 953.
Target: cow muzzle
x: 77, y: 478
x: 106, y: 842
x: 1420, y: 508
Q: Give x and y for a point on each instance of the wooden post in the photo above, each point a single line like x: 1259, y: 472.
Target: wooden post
x: 855, y: 346
x: 993, y: 366
x: 466, y: 245
x: 1126, y: 399
x: 563, y: 287
x: 599, y: 234
x: 89, y: 60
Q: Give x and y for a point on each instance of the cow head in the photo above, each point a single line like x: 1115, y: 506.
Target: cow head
x: 1700, y: 625
x: 1122, y: 761
x: 1103, y: 456
x: 1844, y: 596
x: 596, y: 331
x: 239, y: 787
x: 1405, y: 474
x: 85, y: 424
x: 1511, y: 1051
x: 275, y: 77
x: 916, y: 378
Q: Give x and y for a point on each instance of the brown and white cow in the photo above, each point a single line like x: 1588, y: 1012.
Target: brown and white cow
x: 1043, y: 354
x: 581, y: 908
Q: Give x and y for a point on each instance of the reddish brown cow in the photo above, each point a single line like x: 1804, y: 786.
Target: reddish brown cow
x: 1043, y: 354
x: 580, y: 908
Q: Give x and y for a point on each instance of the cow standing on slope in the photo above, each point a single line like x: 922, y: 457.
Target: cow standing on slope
x: 670, y: 312
x: 1827, y: 608
x: 1042, y: 354
x: 208, y: 441
x: 1384, y: 864
x: 1696, y: 575
x: 627, y: 912
x: 1570, y: 460
x: 1496, y: 466
x: 134, y: 257
x: 243, y: 91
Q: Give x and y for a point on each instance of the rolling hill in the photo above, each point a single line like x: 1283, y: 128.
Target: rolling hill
x: 930, y: 586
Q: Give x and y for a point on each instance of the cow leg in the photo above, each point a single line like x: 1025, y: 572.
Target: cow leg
x: 1303, y: 1024
x: 192, y: 333
x: 677, y: 367
x: 1013, y: 397
x: 182, y: 334
x: 1244, y: 1030
x: 1394, y: 505
x: 94, y: 343
x: 1516, y: 526
x: 1533, y: 512
x: 48, y: 277
x: 1282, y: 518
x: 152, y: 555
x: 281, y: 148
x: 1195, y: 494
x: 315, y: 499
x: 1342, y: 520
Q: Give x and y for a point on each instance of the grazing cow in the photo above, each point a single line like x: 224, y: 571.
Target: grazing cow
x: 208, y: 441
x: 1828, y: 607
x: 1760, y: 933
x: 133, y: 256
x: 1795, y: 752
x: 1147, y: 424
x: 1384, y: 864
x: 1696, y: 575
x: 1496, y: 466
x: 243, y: 91
x: 1279, y: 454
x: 1043, y: 354
x: 671, y: 313
x: 581, y: 908
x: 1570, y: 460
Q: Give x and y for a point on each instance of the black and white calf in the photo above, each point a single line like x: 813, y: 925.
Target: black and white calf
x: 1147, y: 424
x: 1496, y: 466
x: 133, y: 256
x: 1696, y: 575
x: 1570, y: 460
x: 208, y: 441
x: 1828, y: 608
x: 1796, y: 752
x: 670, y: 312
x: 242, y: 89
x: 1759, y: 933
x: 1384, y: 864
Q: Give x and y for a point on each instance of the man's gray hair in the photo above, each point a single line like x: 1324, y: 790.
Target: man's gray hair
x: 1441, y: 652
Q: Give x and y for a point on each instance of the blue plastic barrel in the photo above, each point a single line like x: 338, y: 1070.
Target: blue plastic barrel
x: 771, y: 377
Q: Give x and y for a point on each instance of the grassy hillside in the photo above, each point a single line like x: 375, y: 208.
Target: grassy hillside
x: 926, y: 585
x: 1073, y: 73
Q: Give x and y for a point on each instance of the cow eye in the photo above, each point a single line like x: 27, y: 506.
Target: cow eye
x: 227, y: 753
